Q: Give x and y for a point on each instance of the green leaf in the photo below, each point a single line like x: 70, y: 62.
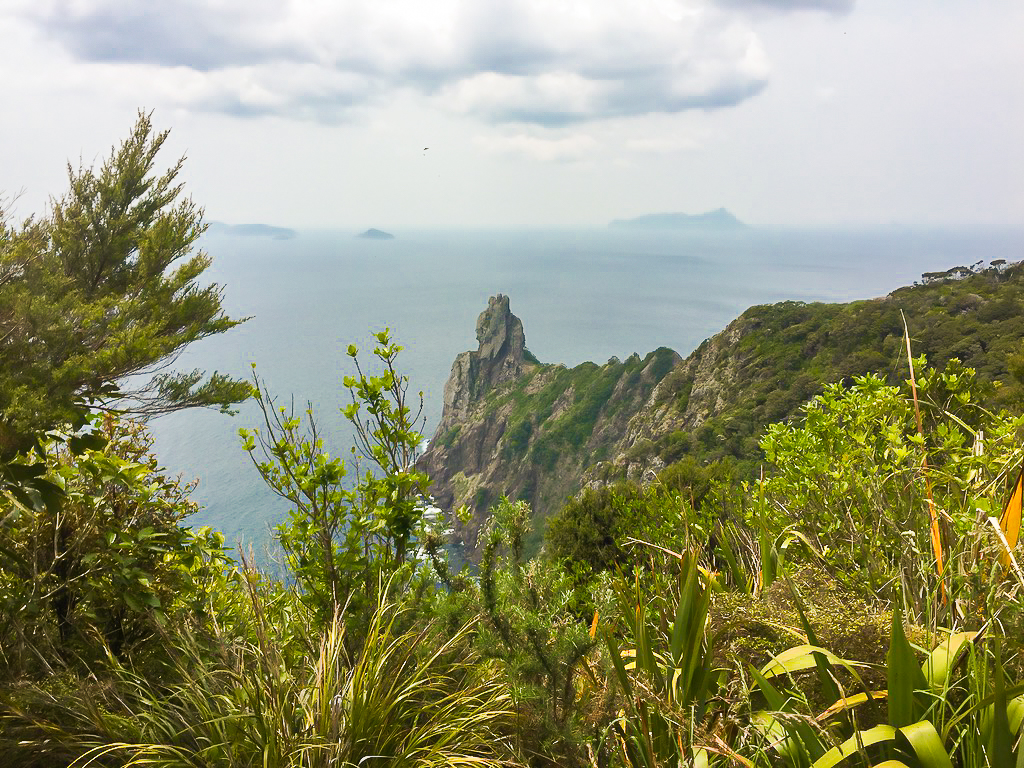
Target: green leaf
x: 849, y: 702
x: 927, y: 746
x: 132, y: 602
x: 880, y: 734
x: 90, y: 441
x: 802, y: 743
x: 802, y: 657
x: 826, y: 681
x: 1001, y: 742
x: 940, y: 662
x: 904, y: 674
x: 13, y: 556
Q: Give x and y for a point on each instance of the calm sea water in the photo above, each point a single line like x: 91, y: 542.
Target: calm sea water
x: 581, y: 296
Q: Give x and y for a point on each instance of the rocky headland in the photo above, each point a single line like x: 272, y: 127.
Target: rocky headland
x: 512, y: 426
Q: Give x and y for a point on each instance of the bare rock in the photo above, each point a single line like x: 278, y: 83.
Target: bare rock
x: 499, y: 358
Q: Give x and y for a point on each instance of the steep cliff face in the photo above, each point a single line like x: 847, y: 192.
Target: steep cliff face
x: 501, y: 357
x: 514, y: 427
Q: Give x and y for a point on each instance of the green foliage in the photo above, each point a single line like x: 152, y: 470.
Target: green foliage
x: 311, y: 676
x: 853, y: 473
x: 670, y: 689
x: 128, y: 639
x: 326, y: 540
x: 405, y: 698
x: 110, y: 568
x: 450, y: 436
x: 592, y: 533
x: 591, y: 530
x: 339, y: 540
x: 957, y: 707
x: 105, y: 287
x: 592, y: 387
x: 664, y: 360
x: 516, y: 439
x: 588, y: 393
x: 701, y: 485
x: 388, y: 437
x: 101, y: 291
x: 532, y: 622
x: 790, y: 350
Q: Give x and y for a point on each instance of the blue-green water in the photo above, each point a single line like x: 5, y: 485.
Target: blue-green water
x: 581, y: 296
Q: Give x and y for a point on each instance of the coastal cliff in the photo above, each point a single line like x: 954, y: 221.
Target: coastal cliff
x: 512, y: 426
x: 501, y: 357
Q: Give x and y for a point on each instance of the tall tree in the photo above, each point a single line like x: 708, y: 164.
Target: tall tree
x: 106, y: 287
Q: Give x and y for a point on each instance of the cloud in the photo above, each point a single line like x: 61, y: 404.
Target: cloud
x: 826, y: 94
x: 829, y: 6
x: 663, y: 146
x: 623, y: 66
x: 565, y: 149
x: 524, y: 61
x: 187, y: 33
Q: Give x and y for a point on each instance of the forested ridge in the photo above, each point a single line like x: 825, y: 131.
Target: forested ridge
x: 546, y: 432
x: 856, y: 603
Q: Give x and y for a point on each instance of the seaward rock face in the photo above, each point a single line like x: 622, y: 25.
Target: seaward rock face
x: 540, y: 432
x: 512, y: 426
x: 499, y: 359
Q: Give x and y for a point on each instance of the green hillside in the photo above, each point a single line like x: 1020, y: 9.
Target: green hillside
x: 543, y: 435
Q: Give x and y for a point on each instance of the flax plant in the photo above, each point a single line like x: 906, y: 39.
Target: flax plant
x: 957, y: 707
x: 672, y: 710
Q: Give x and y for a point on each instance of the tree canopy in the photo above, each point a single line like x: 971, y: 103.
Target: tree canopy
x: 105, y: 287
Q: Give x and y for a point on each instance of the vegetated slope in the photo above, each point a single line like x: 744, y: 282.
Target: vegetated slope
x: 540, y: 432
x: 773, y: 358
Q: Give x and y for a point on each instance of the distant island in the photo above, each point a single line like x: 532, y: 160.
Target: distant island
x: 251, y: 230
x: 712, y: 221
x: 376, y: 234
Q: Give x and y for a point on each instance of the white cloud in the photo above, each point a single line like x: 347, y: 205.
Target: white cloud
x: 826, y: 94
x: 663, y: 145
x: 829, y: 6
x: 565, y: 149
x: 530, y: 61
x: 545, y: 98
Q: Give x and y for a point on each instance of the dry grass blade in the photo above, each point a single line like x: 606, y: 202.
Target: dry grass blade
x: 1007, y: 551
x: 933, y: 517
x: 1009, y: 522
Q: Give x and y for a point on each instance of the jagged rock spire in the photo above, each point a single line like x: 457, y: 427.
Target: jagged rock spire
x: 499, y: 358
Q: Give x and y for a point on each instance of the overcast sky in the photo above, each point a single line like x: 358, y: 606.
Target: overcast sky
x: 532, y: 113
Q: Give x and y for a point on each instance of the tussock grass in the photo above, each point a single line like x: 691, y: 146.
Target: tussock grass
x: 406, y: 699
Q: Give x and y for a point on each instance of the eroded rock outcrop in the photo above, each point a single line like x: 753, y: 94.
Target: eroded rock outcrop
x: 500, y: 358
x: 514, y: 427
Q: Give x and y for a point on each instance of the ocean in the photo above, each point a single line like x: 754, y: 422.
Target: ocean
x: 586, y: 295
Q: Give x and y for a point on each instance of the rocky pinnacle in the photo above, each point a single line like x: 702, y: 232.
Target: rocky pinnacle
x: 498, y: 359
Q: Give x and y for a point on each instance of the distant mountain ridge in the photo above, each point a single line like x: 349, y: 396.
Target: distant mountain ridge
x: 720, y: 220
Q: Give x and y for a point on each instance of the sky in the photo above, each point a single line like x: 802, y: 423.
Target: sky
x: 407, y: 114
